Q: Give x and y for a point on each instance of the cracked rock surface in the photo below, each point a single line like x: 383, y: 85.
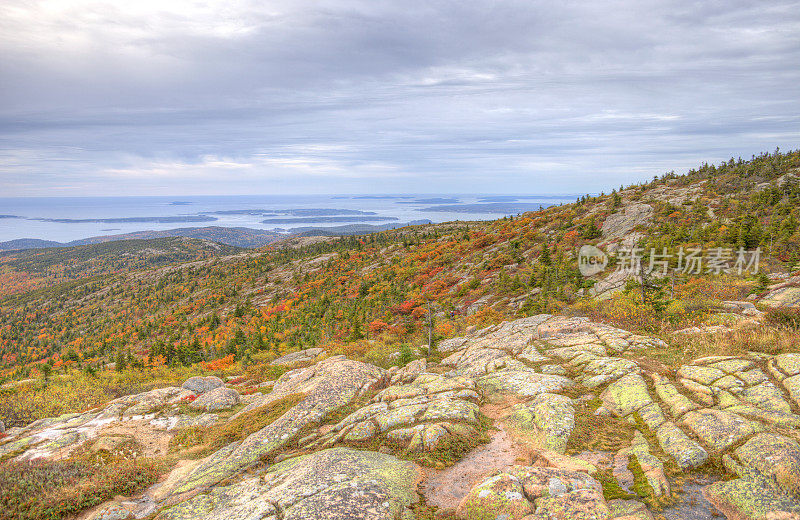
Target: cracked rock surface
x: 351, y: 445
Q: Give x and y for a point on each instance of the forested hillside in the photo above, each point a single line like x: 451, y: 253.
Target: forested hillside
x: 179, y: 301
x: 484, y: 351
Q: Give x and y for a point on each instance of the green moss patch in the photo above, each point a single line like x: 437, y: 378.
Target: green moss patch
x: 611, y: 488
x: 595, y: 432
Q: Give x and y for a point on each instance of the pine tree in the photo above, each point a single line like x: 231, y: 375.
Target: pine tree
x: 544, y: 256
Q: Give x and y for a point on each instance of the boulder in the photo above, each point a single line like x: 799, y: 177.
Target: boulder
x: 220, y: 398
x: 200, y: 385
x: 501, y: 496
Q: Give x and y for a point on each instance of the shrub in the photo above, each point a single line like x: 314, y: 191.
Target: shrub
x: 53, y: 490
x: 406, y: 355
x: 783, y: 317
x: 24, y: 403
x: 265, y: 372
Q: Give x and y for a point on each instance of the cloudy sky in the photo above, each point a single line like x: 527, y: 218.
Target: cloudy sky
x: 375, y: 96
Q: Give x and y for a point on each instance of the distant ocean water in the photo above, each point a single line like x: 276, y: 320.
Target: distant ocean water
x: 72, y: 218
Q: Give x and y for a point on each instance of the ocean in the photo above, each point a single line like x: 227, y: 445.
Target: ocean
x: 65, y: 219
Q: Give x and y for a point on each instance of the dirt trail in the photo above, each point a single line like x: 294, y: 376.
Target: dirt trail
x: 445, y: 488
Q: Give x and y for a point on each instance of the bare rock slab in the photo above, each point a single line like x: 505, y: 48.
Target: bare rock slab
x: 333, y: 484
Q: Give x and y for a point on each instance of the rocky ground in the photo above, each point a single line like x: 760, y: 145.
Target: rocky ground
x: 540, y: 418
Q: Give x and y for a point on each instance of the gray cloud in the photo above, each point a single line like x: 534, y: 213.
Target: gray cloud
x: 375, y: 96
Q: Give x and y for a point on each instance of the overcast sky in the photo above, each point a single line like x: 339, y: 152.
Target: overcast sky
x: 300, y: 96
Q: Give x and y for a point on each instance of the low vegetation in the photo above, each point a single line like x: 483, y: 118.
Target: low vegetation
x: 53, y: 490
x: 207, y: 440
x: 73, y: 319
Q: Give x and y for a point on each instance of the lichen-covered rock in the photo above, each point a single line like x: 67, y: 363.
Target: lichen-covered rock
x: 626, y: 395
x: 750, y: 497
x: 200, y: 385
x: 423, y: 437
x: 686, y: 452
x: 333, y: 484
x: 547, y: 420
x: 478, y: 360
x: 629, y: 510
x: 409, y: 372
x: 536, y: 493
x: 428, y: 385
x: 775, y: 457
x: 562, y: 494
x: 788, y: 364
x: 719, y: 429
x: 220, y: 398
x: 112, y: 512
x: 651, y: 467
x: 308, y: 355
x: 500, y: 496
x: 523, y: 382
x: 444, y: 406
x: 678, y: 403
x: 545, y: 481
x: 621, y: 223
x: 582, y: 504
x: 328, y: 385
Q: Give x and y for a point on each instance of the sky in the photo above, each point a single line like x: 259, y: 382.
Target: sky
x: 172, y: 97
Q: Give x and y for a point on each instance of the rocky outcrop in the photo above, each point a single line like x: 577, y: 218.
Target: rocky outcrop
x: 620, y: 224
x: 149, y: 414
x: 308, y: 355
x: 546, y: 420
x: 783, y: 295
x: 334, y: 484
x: 536, y: 493
x: 326, y: 386
x: 769, y: 479
x: 417, y: 416
x: 336, y: 452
